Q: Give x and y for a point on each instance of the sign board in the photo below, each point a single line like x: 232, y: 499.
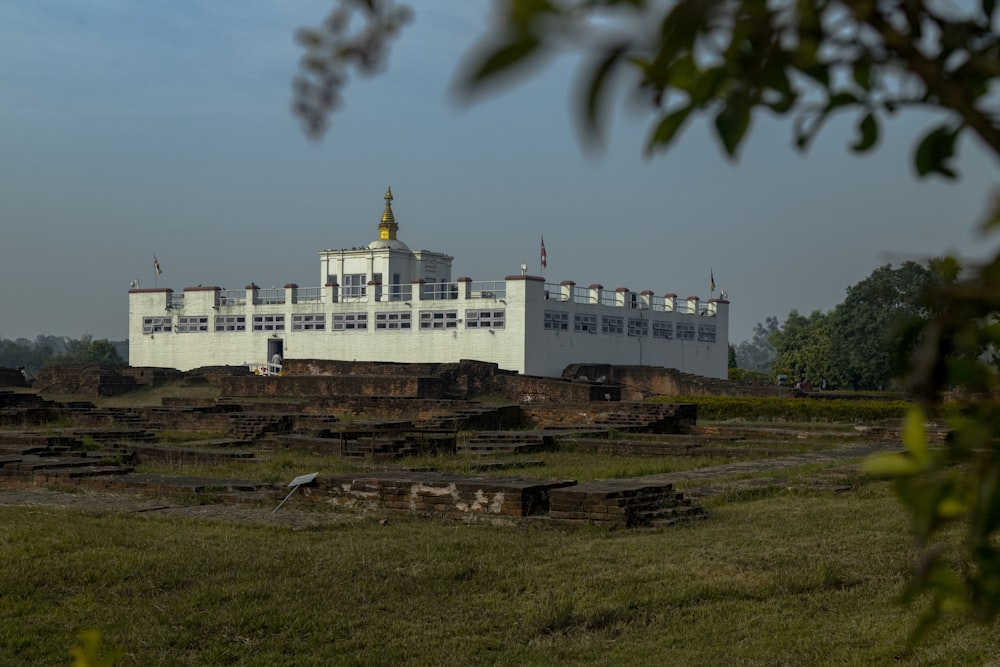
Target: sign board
x: 303, y: 479
x: 295, y: 484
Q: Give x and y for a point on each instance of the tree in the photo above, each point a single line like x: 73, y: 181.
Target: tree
x: 757, y: 354
x: 865, y: 328
x: 726, y: 60
x: 86, y: 350
x: 732, y: 357
x: 807, y: 59
x: 803, y: 346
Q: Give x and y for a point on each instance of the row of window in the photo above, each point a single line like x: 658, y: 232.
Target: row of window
x: 636, y: 326
x: 428, y: 320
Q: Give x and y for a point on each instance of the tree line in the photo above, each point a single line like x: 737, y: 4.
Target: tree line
x: 861, y: 344
x: 47, y: 350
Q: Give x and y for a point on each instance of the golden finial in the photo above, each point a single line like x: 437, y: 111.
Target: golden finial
x: 387, y: 228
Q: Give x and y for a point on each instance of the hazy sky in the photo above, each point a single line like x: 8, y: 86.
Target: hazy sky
x: 133, y: 128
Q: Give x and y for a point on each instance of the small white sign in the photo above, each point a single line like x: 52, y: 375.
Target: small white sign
x: 295, y: 484
x: 303, y: 479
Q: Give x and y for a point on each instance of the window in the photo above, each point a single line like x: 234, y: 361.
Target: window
x: 354, y: 286
x: 556, y: 321
x: 611, y: 325
x: 707, y: 333
x: 585, y: 323
x: 268, y: 322
x: 312, y: 322
x: 393, y: 320
x: 349, y: 321
x: 230, y: 323
x: 484, y: 319
x: 438, y: 319
x: 152, y: 325
x: 685, y: 331
x: 638, y: 327
x: 192, y: 324
x: 663, y: 329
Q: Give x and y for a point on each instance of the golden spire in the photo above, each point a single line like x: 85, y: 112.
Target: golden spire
x: 388, y: 227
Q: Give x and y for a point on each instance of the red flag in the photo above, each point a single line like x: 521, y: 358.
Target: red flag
x: 544, y: 258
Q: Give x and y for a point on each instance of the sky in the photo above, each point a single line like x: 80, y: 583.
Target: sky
x: 129, y: 129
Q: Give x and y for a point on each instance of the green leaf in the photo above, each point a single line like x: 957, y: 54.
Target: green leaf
x: 868, y: 130
x: 915, y: 435
x: 595, y: 90
x: 668, y: 127
x: 504, y: 58
x: 993, y: 215
x: 732, y: 122
x: 840, y: 100
x: 862, y: 73
x: 891, y: 465
x: 935, y: 150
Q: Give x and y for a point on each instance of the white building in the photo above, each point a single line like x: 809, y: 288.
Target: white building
x: 385, y: 302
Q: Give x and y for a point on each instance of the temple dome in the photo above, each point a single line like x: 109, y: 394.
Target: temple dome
x: 392, y: 244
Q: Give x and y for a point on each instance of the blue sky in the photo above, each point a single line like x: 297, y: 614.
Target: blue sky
x: 133, y: 128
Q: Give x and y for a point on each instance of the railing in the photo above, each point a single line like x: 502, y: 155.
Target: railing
x: 265, y: 370
x: 399, y: 292
x: 581, y: 295
x: 661, y: 304
x: 307, y: 294
x: 438, y: 291
x: 232, y: 297
x: 608, y: 297
x: 488, y: 289
x: 271, y: 296
x: 175, y: 301
x: 353, y: 293
x: 553, y: 292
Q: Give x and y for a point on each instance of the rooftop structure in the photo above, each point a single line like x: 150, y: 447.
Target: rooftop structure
x: 385, y: 302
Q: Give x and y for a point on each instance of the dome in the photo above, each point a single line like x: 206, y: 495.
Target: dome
x: 391, y: 244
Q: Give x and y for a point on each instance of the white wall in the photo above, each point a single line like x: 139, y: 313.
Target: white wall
x: 522, y: 345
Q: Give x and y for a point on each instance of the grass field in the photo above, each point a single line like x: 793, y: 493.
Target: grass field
x: 794, y: 578
x: 799, y: 566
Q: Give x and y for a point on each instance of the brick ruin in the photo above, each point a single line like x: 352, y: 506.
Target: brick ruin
x: 371, y: 412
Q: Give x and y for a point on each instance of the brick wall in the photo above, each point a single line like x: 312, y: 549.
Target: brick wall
x: 11, y: 377
x: 527, y: 389
x: 332, y: 385
x: 638, y: 382
x: 99, y: 379
x: 438, y: 494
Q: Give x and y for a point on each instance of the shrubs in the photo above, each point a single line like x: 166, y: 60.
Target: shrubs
x: 769, y: 408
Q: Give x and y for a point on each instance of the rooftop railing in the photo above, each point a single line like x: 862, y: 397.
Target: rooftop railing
x: 488, y: 289
x: 272, y: 295
x: 307, y: 294
x: 232, y: 297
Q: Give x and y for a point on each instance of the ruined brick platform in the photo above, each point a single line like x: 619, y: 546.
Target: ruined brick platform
x: 621, y: 503
x: 452, y: 496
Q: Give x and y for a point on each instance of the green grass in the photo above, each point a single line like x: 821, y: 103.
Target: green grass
x: 789, y: 579
x: 281, y: 465
x: 182, y: 437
